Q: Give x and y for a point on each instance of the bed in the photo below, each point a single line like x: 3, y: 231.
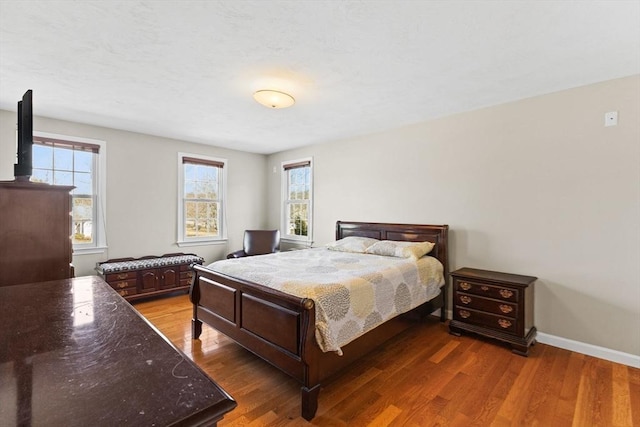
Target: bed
x: 281, y: 328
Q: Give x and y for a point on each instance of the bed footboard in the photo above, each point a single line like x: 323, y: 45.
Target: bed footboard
x: 271, y: 324
x: 275, y: 326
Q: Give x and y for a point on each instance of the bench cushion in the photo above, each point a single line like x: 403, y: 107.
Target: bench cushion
x: 140, y: 264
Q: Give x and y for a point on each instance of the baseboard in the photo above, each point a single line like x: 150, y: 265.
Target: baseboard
x: 580, y: 347
x: 590, y: 350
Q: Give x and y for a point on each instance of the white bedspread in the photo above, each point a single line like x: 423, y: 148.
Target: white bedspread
x: 353, y: 293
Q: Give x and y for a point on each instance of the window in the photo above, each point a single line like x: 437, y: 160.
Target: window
x: 201, y: 206
x: 78, y: 162
x: 297, y: 195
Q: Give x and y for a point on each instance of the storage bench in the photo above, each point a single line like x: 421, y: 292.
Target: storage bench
x: 135, y: 278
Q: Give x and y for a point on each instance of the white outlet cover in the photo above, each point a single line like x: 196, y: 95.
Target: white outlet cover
x: 611, y: 118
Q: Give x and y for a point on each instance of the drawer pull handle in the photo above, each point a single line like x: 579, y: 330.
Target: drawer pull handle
x: 190, y: 275
x: 466, y: 286
x: 123, y: 293
x: 465, y: 299
x: 504, y: 323
x: 121, y: 285
x: 506, y: 293
x: 122, y: 276
x: 464, y: 314
x: 505, y: 308
x: 484, y: 288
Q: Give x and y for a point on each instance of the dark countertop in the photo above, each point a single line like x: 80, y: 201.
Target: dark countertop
x: 74, y: 353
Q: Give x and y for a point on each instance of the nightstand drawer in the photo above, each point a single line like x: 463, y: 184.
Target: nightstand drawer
x: 485, y: 290
x: 485, y: 304
x: 487, y: 320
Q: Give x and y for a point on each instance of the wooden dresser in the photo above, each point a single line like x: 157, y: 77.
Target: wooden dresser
x: 148, y: 276
x: 496, y: 305
x: 35, y: 232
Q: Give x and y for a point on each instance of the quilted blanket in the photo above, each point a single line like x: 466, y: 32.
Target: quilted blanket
x: 353, y: 293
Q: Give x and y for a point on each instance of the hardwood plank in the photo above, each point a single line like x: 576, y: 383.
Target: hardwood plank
x: 385, y: 418
x: 424, y: 377
x: 529, y: 411
x: 634, y: 391
x: 603, y: 403
x: 621, y: 397
x: 478, y: 397
x: 547, y: 412
x: 586, y: 395
x: 444, y: 351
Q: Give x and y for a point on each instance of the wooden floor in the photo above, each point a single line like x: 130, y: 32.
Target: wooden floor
x: 424, y: 377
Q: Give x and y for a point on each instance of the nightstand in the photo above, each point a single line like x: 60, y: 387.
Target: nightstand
x: 496, y: 305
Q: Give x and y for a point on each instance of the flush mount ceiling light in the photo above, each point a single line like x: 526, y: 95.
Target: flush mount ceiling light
x: 274, y: 98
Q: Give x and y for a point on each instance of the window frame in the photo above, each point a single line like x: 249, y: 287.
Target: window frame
x: 182, y: 238
x: 285, y: 201
x: 99, y: 178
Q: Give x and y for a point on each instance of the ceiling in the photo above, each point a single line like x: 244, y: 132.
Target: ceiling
x: 187, y: 69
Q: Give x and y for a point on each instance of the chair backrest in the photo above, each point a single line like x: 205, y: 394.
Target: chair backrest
x: 260, y: 242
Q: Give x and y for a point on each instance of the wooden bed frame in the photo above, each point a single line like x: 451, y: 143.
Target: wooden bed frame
x: 280, y: 328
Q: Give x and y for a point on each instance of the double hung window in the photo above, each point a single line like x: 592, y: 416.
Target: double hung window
x: 297, y: 195
x: 60, y: 160
x: 202, y: 199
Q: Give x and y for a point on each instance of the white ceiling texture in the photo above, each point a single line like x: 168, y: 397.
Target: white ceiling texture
x: 187, y: 69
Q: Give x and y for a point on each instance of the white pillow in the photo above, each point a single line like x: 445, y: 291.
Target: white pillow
x: 352, y: 244
x: 415, y: 250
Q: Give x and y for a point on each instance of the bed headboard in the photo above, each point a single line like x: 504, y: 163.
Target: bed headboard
x: 437, y: 234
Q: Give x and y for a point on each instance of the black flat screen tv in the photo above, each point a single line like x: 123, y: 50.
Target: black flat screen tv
x: 22, y: 169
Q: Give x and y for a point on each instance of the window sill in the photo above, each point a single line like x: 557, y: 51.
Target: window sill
x: 202, y: 243
x: 305, y: 242
x: 90, y: 251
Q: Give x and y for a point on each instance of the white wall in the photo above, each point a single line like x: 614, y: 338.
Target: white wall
x: 142, y: 185
x: 537, y: 187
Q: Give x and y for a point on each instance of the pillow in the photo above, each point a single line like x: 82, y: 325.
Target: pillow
x: 415, y: 250
x: 353, y: 244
